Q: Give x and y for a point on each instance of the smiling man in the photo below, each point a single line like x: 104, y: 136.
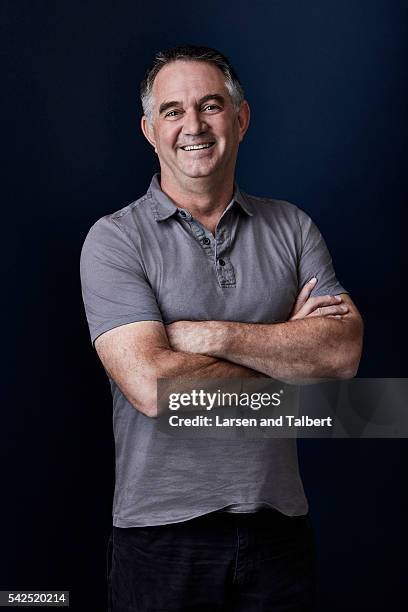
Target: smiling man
x: 197, y: 279
x: 196, y: 133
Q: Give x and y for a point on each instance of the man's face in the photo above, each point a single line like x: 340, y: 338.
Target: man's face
x: 196, y: 131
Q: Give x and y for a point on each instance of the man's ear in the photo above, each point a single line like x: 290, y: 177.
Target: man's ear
x: 148, y: 131
x: 244, y: 115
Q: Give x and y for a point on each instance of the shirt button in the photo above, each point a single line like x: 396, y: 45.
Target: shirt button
x: 221, y: 262
x: 206, y: 241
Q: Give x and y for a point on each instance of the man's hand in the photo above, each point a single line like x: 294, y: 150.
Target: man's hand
x: 319, y: 306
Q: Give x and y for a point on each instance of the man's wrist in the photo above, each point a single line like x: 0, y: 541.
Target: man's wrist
x: 217, y: 339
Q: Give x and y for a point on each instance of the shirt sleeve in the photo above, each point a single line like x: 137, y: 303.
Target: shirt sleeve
x: 315, y: 260
x: 115, y: 288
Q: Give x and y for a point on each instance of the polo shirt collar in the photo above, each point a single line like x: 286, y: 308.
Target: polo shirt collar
x: 163, y: 207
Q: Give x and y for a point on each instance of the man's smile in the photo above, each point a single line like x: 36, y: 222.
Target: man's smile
x: 197, y: 147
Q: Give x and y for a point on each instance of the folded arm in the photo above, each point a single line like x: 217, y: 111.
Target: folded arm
x: 297, y: 351
x: 137, y: 354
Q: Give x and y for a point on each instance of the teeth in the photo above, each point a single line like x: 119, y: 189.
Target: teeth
x: 197, y: 147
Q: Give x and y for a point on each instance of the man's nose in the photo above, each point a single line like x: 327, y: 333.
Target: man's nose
x: 194, y: 123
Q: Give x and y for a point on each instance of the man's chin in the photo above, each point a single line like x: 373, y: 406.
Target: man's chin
x: 199, y: 172
x: 197, y: 175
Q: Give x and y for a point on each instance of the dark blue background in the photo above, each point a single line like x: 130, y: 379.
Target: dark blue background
x: 327, y: 85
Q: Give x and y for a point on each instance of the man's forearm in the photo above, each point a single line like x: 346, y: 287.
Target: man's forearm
x: 138, y: 379
x: 317, y: 347
x: 186, y: 366
x: 136, y: 355
x: 313, y: 348
x: 181, y: 368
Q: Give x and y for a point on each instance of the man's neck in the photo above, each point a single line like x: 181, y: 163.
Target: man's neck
x: 205, y: 199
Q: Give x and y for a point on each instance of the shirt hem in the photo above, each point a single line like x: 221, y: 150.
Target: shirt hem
x: 129, y: 523
x: 123, y: 321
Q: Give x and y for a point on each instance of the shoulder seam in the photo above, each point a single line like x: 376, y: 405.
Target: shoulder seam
x: 121, y: 212
x: 123, y: 230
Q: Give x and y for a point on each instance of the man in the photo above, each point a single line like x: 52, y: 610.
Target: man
x: 198, y: 280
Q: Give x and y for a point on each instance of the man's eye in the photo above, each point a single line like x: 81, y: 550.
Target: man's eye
x: 172, y: 113
x: 211, y: 107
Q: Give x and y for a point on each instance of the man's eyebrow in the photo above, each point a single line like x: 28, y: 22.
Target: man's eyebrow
x: 166, y: 105
x: 213, y: 96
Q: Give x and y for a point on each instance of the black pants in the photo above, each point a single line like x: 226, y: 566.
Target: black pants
x: 262, y: 561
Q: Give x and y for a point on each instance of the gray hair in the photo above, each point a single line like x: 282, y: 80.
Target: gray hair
x: 190, y: 53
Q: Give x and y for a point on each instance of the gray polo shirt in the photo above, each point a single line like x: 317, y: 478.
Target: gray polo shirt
x: 152, y: 261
